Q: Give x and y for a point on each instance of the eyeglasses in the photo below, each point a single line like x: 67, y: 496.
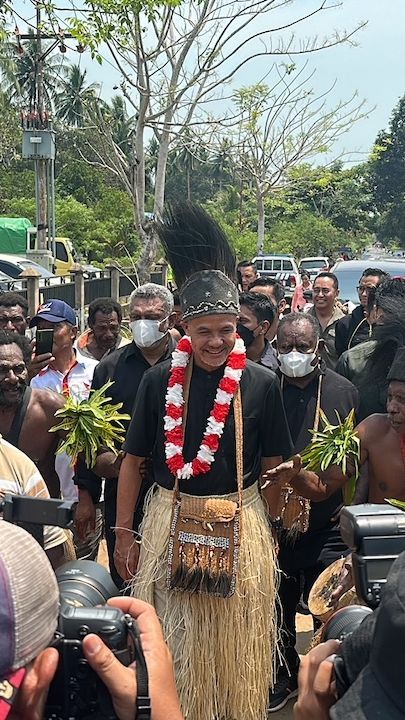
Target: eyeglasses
x: 365, y: 289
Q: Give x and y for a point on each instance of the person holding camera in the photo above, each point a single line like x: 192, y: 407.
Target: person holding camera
x: 29, y: 609
x: 370, y: 660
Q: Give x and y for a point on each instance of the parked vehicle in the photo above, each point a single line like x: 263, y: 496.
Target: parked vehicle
x: 7, y: 283
x: 18, y: 236
x: 280, y: 267
x: 313, y: 266
x: 14, y: 265
x: 349, y: 272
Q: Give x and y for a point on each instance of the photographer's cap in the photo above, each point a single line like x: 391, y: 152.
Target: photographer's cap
x: 54, y: 311
x: 29, y: 607
x: 378, y: 692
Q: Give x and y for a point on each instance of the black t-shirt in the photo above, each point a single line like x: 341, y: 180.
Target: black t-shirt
x: 265, y: 429
x: 337, y: 394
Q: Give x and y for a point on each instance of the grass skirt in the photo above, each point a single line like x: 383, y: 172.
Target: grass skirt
x: 224, y: 650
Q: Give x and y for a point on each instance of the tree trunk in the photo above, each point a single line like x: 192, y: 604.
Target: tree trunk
x: 148, y: 257
x: 160, y: 179
x: 260, y: 223
x: 42, y: 201
x: 148, y: 236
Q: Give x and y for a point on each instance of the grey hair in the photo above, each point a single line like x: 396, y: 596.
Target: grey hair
x: 299, y: 318
x: 150, y: 291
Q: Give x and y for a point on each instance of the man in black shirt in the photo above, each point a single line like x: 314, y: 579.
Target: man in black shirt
x: 151, y: 317
x: 223, y: 646
x: 356, y: 328
x: 307, y: 386
x: 258, y: 316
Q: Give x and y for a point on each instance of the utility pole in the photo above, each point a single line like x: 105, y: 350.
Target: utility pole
x: 39, y: 143
x: 41, y: 165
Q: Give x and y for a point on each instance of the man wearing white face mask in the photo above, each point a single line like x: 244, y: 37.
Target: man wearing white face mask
x: 152, y: 316
x: 307, y: 386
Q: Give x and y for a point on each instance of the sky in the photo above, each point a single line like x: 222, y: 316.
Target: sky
x: 374, y: 68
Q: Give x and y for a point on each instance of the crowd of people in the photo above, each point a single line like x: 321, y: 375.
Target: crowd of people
x: 224, y: 387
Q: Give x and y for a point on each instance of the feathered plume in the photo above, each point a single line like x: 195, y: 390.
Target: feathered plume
x: 193, y: 241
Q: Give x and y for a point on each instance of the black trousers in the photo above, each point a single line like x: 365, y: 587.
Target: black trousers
x: 301, y: 564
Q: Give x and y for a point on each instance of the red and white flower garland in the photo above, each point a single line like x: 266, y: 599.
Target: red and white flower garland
x: 173, y: 420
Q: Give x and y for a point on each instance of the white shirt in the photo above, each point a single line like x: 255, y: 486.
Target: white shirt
x: 75, y: 383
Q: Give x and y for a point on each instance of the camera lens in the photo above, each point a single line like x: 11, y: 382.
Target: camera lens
x: 344, y: 622
x: 84, y: 583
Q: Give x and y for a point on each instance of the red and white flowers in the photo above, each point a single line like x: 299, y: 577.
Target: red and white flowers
x: 173, y: 420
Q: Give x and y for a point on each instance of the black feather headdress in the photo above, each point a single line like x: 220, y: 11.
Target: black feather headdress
x: 201, y: 259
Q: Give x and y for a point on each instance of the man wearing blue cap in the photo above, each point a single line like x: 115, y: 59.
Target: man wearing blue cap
x: 65, y: 373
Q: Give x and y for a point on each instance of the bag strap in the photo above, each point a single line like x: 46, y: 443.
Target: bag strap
x: 237, y: 409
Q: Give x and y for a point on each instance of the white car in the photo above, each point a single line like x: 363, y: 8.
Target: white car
x: 282, y: 268
x: 14, y: 265
x: 312, y: 266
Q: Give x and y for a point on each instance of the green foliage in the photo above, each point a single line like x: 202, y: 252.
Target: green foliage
x: 10, y: 133
x: 89, y: 425
x: 80, y: 181
x: 305, y: 234
x: 387, y: 172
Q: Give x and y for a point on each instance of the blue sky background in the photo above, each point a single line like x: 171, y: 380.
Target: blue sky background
x: 375, y: 68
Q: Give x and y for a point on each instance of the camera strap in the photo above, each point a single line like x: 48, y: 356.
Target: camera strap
x: 143, y: 705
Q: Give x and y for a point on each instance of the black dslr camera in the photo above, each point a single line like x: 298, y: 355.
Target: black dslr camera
x: 76, y: 692
x: 376, y: 536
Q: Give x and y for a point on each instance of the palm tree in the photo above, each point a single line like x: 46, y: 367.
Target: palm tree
x: 20, y: 70
x: 75, y: 97
x: 222, y: 164
x: 123, y: 125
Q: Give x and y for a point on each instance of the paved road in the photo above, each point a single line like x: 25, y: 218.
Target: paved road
x: 304, y: 626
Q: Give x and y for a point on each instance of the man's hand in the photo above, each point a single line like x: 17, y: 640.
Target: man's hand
x: 38, y: 362
x: 126, y: 554
x: 316, y: 687
x: 283, y: 473
x: 31, y: 697
x: 345, y: 581
x: 108, y: 464
x: 85, y: 515
x: 121, y: 681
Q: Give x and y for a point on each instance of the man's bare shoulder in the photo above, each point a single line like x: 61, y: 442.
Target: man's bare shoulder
x: 374, y: 427
x: 45, y: 402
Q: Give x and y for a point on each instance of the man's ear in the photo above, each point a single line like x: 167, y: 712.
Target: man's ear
x: 321, y: 345
x: 282, y: 305
x: 74, y: 332
x: 172, y: 320
x: 33, y: 692
x: 265, y: 327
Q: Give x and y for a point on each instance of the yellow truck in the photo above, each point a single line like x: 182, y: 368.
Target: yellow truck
x: 17, y: 236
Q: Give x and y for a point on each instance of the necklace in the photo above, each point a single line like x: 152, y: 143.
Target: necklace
x: 175, y: 404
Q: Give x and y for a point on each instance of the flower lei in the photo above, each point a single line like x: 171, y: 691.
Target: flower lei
x: 173, y: 420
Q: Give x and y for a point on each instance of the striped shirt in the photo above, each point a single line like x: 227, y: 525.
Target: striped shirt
x: 19, y: 476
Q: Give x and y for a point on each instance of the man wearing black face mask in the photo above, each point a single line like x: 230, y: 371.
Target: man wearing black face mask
x: 307, y: 386
x: 257, y: 317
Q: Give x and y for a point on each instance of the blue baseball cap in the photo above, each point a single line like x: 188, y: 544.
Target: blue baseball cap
x: 54, y: 311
